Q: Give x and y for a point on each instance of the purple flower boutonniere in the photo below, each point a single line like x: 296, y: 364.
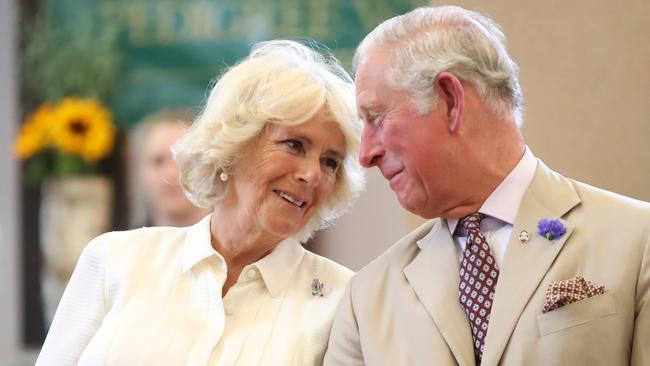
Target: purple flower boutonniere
x: 550, y: 229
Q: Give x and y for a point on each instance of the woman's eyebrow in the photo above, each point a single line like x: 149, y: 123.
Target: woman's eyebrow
x: 336, y: 154
x: 308, y: 141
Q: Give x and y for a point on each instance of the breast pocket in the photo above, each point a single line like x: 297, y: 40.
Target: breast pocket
x: 577, y: 313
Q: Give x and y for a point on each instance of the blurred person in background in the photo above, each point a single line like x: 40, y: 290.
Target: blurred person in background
x: 274, y: 156
x: 156, y: 195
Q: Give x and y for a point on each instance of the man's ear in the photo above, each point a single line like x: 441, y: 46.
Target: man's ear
x: 451, y: 92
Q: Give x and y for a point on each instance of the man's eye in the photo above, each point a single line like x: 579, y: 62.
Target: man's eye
x: 331, y: 164
x: 375, y: 119
x: 294, y: 145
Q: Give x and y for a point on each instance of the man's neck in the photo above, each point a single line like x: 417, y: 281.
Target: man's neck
x: 492, y: 156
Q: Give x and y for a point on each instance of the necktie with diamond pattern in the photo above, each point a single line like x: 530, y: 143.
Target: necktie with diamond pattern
x: 478, y: 279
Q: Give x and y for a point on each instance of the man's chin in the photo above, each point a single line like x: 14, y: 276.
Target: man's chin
x: 418, y: 208
x: 410, y: 205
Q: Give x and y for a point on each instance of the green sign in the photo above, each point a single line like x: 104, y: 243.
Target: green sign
x: 171, y: 51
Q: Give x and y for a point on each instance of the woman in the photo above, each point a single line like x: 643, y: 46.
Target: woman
x: 273, y: 154
x: 156, y: 197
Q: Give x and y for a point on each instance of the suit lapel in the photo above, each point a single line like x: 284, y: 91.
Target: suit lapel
x: 549, y: 196
x: 433, y: 274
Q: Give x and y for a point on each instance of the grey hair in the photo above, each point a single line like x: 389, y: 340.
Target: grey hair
x: 427, y: 41
x: 283, y: 82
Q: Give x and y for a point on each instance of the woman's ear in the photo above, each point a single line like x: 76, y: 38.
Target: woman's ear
x: 451, y: 92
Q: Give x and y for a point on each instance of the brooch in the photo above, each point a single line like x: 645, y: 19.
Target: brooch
x: 317, y: 287
x: 523, y: 237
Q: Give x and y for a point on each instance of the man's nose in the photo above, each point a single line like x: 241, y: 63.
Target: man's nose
x: 371, y: 150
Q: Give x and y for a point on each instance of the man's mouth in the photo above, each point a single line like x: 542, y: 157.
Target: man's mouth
x: 291, y: 199
x: 389, y: 177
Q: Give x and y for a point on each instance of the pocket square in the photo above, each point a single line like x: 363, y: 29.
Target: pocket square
x: 560, y: 293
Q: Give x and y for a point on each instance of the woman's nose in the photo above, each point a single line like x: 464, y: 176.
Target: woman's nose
x: 310, y: 171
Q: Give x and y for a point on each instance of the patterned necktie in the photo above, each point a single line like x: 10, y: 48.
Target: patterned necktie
x: 478, y: 279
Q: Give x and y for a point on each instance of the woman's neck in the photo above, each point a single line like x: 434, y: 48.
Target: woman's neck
x: 238, y: 242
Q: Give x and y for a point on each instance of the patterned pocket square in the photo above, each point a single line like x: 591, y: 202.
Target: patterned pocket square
x: 560, y: 293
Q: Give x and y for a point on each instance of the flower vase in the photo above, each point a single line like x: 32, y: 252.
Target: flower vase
x: 74, y: 210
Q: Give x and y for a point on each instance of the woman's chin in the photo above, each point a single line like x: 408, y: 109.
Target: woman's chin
x: 283, y: 230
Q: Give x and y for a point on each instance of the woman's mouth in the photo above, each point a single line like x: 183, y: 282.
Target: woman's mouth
x: 290, y: 198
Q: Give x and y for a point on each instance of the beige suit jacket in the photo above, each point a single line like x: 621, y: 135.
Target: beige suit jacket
x: 402, y: 309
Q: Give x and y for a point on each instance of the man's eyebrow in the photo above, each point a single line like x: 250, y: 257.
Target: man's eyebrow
x: 368, y: 108
x: 371, y: 105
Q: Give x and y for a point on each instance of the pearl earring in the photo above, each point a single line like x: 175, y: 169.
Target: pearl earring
x: 223, y: 176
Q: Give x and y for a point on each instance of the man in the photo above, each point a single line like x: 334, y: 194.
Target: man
x: 519, y: 266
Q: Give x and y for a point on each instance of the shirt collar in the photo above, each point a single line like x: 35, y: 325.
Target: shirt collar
x: 276, y: 268
x: 198, y: 244
x: 503, y: 203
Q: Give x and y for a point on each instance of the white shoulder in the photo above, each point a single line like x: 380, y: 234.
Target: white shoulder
x: 327, y: 270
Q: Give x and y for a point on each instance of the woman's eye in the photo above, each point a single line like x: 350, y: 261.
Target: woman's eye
x: 294, y: 145
x: 330, y: 163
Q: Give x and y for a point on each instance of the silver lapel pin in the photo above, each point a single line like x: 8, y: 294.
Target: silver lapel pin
x: 523, y: 237
x: 317, y: 287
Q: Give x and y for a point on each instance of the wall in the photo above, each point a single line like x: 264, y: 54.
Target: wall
x: 584, y: 72
x: 10, y: 212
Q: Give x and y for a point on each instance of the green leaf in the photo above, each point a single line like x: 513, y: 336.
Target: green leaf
x: 67, y: 165
x: 36, y: 168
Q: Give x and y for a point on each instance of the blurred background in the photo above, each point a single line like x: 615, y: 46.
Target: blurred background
x: 81, y: 78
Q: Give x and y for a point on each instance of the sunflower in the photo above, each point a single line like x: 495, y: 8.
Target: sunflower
x: 83, y: 127
x: 34, y: 133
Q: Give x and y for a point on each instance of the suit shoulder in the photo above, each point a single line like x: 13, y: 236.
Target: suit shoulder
x: 397, y: 256
x: 610, y: 202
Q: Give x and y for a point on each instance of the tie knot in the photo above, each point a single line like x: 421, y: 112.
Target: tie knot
x: 472, y: 221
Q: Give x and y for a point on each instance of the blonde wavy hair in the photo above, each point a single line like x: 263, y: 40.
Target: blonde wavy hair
x: 283, y: 82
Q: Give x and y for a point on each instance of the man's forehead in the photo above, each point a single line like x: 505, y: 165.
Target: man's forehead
x: 368, y: 102
x: 372, y: 69
x: 370, y: 81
